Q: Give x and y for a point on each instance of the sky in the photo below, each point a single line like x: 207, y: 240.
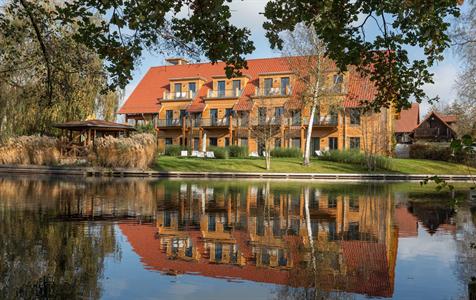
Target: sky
x: 247, y: 14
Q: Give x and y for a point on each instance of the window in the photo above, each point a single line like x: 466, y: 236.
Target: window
x: 183, y: 114
x: 284, y: 85
x: 333, y: 117
x: 169, y: 116
x: 333, y: 143
x: 331, y: 201
x: 315, y: 145
x: 354, y: 116
x: 221, y: 88
x: 244, y: 119
x: 268, y: 85
x: 296, y: 143
x: 227, y: 142
x: 296, y: 117
x: 338, y: 80
x: 244, y: 142
x: 262, y: 115
x: 178, y: 90
x: 168, y: 141
x: 196, y: 143
x: 278, y: 112
x: 228, y: 113
x: 192, y: 87
x: 197, y: 119
x: 213, y: 116
x: 236, y: 87
x: 355, y: 143
x: 354, y: 204
x: 213, y: 142
x: 212, y: 222
x: 277, y: 143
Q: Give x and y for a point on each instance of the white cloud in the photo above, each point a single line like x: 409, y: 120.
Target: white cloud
x: 445, y: 75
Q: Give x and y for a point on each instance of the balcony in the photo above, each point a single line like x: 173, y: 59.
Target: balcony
x: 274, y: 92
x: 215, y: 122
x: 324, y: 121
x: 221, y: 94
x: 189, y: 95
x: 432, y: 133
x: 169, y: 123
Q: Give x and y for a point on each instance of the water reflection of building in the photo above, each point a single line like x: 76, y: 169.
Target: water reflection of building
x: 268, y: 235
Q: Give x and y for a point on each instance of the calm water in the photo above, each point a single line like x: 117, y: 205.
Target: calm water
x: 139, y: 239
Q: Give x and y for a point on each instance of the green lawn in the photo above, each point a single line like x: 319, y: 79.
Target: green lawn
x: 293, y: 165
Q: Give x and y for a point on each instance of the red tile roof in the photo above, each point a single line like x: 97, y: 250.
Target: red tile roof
x: 406, y: 222
x: 146, y: 96
x: 448, y: 118
x: 409, y: 119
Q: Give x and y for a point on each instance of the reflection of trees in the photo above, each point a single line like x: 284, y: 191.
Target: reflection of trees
x: 44, y: 252
x: 466, y: 243
x: 43, y: 259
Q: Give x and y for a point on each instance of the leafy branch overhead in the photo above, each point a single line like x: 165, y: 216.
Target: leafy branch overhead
x: 375, y: 37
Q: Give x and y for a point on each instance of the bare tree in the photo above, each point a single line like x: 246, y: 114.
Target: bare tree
x: 375, y: 136
x: 264, y: 129
x: 318, y: 82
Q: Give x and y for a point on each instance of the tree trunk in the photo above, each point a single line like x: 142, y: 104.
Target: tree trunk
x: 267, y: 156
x: 307, y: 147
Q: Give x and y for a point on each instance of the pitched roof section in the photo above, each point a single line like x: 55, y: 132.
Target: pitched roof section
x: 409, y: 119
x: 146, y: 96
x: 448, y: 118
x: 440, y: 117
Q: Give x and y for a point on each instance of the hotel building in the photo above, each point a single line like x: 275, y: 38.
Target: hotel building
x: 192, y: 104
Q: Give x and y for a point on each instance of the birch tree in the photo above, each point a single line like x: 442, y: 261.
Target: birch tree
x: 317, y: 79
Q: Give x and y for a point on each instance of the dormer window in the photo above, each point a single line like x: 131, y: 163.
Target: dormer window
x: 338, y: 81
x: 236, y: 87
x: 192, y: 87
x: 178, y: 90
x: 284, y: 85
x: 221, y: 85
x: 268, y: 85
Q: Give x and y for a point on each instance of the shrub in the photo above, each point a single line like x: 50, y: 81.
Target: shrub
x: 237, y: 151
x: 433, y: 152
x: 34, y: 150
x: 219, y: 152
x: 173, y: 150
x: 137, y: 151
x: 286, y: 152
x: 356, y: 158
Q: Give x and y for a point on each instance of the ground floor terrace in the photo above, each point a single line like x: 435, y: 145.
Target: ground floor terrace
x: 335, y: 133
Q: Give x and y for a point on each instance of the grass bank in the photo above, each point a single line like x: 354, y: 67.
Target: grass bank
x: 293, y: 165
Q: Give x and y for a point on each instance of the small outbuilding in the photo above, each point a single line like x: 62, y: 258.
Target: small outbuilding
x: 77, y: 135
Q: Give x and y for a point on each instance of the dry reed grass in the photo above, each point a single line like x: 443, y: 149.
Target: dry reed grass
x: 137, y: 151
x: 32, y: 150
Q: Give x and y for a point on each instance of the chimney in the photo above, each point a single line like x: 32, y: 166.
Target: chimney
x: 176, y: 61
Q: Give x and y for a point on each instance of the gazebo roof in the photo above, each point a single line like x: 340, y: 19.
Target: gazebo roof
x: 100, y: 125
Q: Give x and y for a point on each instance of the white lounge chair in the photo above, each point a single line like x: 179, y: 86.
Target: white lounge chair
x: 318, y: 153
x: 254, y: 154
x: 210, y: 154
x: 194, y: 153
x: 201, y: 154
x: 184, y: 153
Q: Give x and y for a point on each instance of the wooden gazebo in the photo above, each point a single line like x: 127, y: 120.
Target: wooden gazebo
x: 77, y: 135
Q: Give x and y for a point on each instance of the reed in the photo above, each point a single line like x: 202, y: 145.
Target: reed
x: 138, y: 151
x: 30, y: 150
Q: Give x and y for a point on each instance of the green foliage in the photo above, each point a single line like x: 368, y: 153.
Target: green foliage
x: 237, y: 151
x: 286, y: 152
x: 356, y: 157
x: 343, y: 25
x: 219, y: 152
x: 433, y: 152
x: 146, y: 128
x: 48, y: 79
x: 173, y: 150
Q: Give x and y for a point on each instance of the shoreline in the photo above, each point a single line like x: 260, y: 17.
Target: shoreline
x: 134, y: 173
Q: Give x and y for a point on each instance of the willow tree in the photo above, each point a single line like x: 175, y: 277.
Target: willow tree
x: 76, y: 84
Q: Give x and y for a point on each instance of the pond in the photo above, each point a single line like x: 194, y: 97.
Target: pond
x: 77, y: 238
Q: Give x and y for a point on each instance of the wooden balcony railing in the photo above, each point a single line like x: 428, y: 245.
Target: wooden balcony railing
x: 432, y: 133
